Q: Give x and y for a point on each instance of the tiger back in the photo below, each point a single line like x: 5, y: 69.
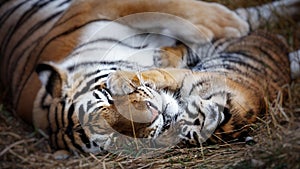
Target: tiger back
x: 36, y: 31
x: 258, y: 61
x: 58, y: 40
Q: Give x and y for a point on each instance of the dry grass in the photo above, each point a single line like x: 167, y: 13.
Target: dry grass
x: 277, y: 137
x: 277, y: 146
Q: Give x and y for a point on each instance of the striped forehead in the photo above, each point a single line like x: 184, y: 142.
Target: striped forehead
x: 92, y: 100
x: 84, y: 79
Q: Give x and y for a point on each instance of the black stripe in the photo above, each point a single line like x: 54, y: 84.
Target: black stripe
x: 63, y: 3
x: 63, y: 104
x: 65, y: 142
x: 100, y: 77
x: 107, y: 95
x: 29, y: 13
x: 192, y: 57
x: 204, y: 118
x: 89, y: 105
x: 189, y: 135
x: 231, y: 65
x: 252, y: 74
x: 195, y: 136
x: 9, y: 12
x: 271, y: 59
x: 96, y: 109
x: 195, y: 85
x: 216, y: 93
x: 65, y: 21
x: 69, y: 130
x: 197, y: 114
x: 219, y: 46
x: 92, y: 128
x: 115, y: 65
x: 36, y: 27
x: 42, y: 105
x: 81, y: 114
x: 197, y: 122
x: 84, y: 138
x: 95, y: 144
x: 227, y: 116
x: 85, y: 89
x: 90, y: 119
x: 55, y: 133
x: 57, y: 113
x: 23, y: 19
x: 231, y: 58
x: 96, y: 96
x: 3, y: 2
x: 98, y: 71
x: 93, y: 73
x: 3, y: 19
x: 51, y: 83
x: 243, y: 55
x: 260, y: 16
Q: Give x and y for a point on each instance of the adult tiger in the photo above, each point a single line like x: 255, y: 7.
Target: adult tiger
x: 59, y: 31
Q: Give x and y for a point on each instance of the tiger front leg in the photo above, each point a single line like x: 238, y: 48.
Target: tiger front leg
x: 171, y: 57
x: 124, y: 82
x: 199, y: 120
x: 189, y: 20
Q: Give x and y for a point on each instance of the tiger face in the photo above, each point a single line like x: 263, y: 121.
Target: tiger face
x: 142, y: 114
x: 88, y: 114
x: 162, y: 105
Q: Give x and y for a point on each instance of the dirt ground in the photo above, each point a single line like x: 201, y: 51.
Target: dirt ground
x: 276, y: 142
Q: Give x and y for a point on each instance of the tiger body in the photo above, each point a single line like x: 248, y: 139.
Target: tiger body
x: 236, y: 86
x: 72, y: 46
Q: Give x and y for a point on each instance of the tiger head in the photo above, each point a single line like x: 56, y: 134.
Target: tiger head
x: 76, y: 99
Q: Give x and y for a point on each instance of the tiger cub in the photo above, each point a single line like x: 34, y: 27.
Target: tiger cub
x: 224, y: 93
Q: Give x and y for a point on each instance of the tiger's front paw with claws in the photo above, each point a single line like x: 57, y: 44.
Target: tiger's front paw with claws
x: 121, y: 83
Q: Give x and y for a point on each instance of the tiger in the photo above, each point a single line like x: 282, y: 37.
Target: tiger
x: 79, y: 48
x: 32, y: 30
x: 219, y: 100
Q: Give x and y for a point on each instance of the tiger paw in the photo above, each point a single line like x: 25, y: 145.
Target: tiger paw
x: 125, y: 82
x: 223, y: 23
x: 121, y: 83
x: 172, y: 57
x: 207, y: 21
x: 61, y: 154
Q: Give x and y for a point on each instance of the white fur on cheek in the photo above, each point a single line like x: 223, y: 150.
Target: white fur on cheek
x: 171, y: 105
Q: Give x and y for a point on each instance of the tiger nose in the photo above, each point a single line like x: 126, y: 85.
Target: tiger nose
x: 154, y: 111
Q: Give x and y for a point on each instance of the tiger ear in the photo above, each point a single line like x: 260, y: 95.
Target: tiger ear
x: 52, y: 78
